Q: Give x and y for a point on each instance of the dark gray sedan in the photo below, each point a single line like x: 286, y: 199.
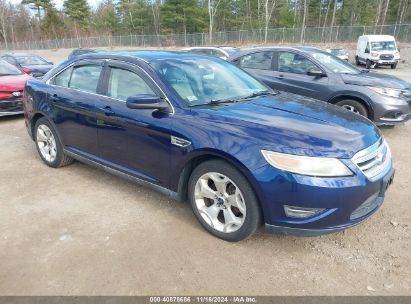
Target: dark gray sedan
x: 317, y: 74
x: 27, y: 62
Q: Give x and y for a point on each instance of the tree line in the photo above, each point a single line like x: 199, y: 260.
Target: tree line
x: 40, y: 19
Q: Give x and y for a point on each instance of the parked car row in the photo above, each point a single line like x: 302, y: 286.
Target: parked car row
x: 29, y: 63
x: 12, y: 81
x: 205, y: 130
x: 313, y: 73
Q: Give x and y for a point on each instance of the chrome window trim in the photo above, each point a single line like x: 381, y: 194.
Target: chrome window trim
x: 122, y: 61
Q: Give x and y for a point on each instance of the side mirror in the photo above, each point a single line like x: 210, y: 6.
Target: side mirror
x: 146, y: 102
x: 316, y: 73
x: 367, y: 51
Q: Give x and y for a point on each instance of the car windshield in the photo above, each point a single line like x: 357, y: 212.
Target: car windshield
x: 383, y: 46
x: 335, y: 64
x: 8, y: 69
x: 230, y: 50
x: 30, y: 60
x: 337, y: 52
x: 202, y: 81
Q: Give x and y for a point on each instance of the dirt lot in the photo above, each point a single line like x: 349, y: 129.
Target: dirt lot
x: 80, y: 231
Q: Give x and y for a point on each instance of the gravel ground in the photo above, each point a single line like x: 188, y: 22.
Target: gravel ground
x: 80, y: 231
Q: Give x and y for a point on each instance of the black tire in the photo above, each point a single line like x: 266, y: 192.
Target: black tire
x: 354, y: 106
x: 394, y: 66
x: 61, y: 159
x: 253, y: 216
x: 357, y: 62
x: 368, y: 64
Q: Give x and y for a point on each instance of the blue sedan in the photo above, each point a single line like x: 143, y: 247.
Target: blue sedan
x: 200, y: 129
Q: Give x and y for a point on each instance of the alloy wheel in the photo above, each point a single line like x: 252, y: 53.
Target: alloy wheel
x: 46, y: 143
x: 220, y: 202
x: 351, y: 109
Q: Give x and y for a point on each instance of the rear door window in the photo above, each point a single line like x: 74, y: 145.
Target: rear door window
x: 260, y: 61
x: 86, y: 78
x: 63, y: 78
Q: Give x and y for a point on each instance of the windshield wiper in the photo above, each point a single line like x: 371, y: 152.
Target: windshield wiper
x: 214, y: 102
x: 257, y: 94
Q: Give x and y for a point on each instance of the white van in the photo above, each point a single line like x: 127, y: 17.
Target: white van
x: 375, y: 50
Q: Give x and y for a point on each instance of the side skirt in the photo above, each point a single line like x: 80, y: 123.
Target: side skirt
x: 173, y: 195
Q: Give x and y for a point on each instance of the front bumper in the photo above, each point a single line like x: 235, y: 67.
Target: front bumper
x: 12, y: 106
x: 389, y: 111
x: 347, y: 201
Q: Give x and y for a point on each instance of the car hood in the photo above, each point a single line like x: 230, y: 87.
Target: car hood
x: 375, y: 80
x: 43, y: 68
x: 13, y: 82
x: 296, y: 125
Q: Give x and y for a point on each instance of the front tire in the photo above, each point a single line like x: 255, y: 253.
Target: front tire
x: 394, y: 66
x: 357, y: 61
x: 353, y: 106
x: 368, y: 64
x: 223, y: 201
x: 49, y: 145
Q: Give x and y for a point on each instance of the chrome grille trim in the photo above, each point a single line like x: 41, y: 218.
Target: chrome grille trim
x: 374, y: 161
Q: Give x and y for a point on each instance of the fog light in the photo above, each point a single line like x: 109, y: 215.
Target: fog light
x: 301, y: 212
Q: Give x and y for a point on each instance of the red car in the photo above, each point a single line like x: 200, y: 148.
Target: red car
x: 12, y: 82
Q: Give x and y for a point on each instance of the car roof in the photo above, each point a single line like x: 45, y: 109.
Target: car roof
x: 21, y: 54
x: 273, y: 48
x: 146, y: 56
x: 379, y: 37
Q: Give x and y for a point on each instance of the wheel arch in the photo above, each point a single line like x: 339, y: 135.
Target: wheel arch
x: 36, y: 117
x: 200, y: 156
x: 362, y: 99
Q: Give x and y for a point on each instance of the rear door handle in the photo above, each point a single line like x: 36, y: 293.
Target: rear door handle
x: 108, y: 111
x: 54, y: 97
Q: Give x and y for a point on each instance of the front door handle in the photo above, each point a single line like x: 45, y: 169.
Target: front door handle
x: 107, y: 111
x: 281, y: 76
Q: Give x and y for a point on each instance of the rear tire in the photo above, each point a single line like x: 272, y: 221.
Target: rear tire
x: 354, y: 106
x: 49, y: 145
x: 223, y: 201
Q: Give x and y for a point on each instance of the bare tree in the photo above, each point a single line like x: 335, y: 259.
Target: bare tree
x: 303, y: 23
x: 155, y: 7
x: 212, y: 11
x: 269, y: 6
x: 333, y: 18
x: 4, y: 15
x: 387, y: 2
x: 325, y: 18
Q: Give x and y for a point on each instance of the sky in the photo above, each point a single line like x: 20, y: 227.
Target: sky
x: 59, y: 3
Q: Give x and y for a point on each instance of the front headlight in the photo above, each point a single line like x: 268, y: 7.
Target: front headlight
x: 388, y: 91
x: 374, y: 54
x: 307, y: 165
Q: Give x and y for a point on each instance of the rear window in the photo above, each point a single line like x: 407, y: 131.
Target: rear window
x: 8, y: 69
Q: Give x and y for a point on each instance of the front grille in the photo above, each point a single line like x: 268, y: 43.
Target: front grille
x: 374, y: 161
x: 386, y: 56
x: 10, y: 103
